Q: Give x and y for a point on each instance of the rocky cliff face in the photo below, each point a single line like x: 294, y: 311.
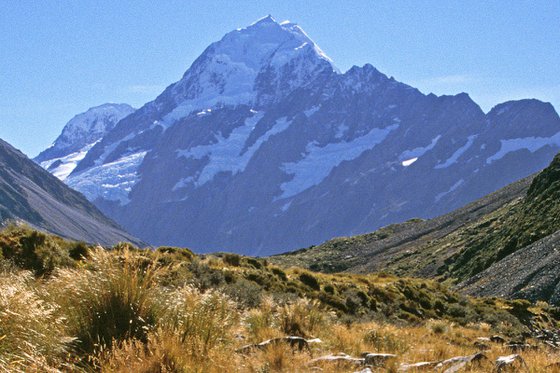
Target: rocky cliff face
x: 264, y: 146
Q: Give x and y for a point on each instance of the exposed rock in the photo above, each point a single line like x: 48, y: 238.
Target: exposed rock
x: 377, y: 359
x: 510, y: 363
x: 421, y: 366
x: 454, y: 364
x: 497, y: 339
x: 337, y: 358
x: 518, y: 347
x: 296, y: 343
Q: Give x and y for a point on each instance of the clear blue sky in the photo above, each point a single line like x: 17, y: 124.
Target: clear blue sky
x: 58, y: 58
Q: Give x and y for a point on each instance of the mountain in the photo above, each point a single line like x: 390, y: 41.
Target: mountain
x: 264, y: 145
x: 505, y: 244
x: 79, y: 135
x: 31, y: 194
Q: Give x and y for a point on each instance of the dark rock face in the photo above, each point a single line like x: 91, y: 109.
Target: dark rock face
x: 29, y: 193
x: 263, y: 146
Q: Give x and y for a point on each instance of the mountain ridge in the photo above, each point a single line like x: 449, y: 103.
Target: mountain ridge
x: 263, y: 146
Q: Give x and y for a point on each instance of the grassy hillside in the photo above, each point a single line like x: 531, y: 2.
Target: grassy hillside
x: 66, y: 306
x: 455, y: 246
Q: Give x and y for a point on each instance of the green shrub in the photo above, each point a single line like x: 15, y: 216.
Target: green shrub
x: 280, y: 273
x: 255, y: 263
x: 310, y: 280
x: 232, y: 259
x: 176, y: 253
x: 244, y: 292
x: 33, y: 250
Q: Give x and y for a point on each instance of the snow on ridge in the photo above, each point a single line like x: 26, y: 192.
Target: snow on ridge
x: 457, y: 154
x: 67, y: 163
x: 226, y: 154
x: 111, y: 181
x: 450, y: 190
x: 318, y: 162
x: 411, y: 156
x: 532, y: 144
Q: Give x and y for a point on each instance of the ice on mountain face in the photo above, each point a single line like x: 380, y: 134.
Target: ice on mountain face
x: 450, y: 190
x: 311, y: 111
x: 408, y: 162
x: 458, y: 153
x: 67, y: 164
x: 341, y: 130
x: 226, y: 73
x: 226, y: 154
x: 532, y: 144
x: 286, y: 206
x: 318, y: 162
x: 111, y: 181
x: 411, y: 156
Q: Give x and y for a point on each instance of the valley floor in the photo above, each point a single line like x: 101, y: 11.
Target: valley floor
x: 66, y: 306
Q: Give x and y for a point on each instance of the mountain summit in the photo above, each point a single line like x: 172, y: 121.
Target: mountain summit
x: 263, y: 146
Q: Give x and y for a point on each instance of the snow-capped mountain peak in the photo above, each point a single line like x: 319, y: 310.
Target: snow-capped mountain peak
x: 229, y: 71
x: 263, y: 145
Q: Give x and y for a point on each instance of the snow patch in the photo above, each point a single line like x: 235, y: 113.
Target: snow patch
x: 453, y: 188
x: 408, y: 162
x: 318, y: 162
x: 311, y: 111
x: 226, y: 154
x: 458, y: 153
x: 532, y: 144
x: 286, y: 206
x: 413, y: 154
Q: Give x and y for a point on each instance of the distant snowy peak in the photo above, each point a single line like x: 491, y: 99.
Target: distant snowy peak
x: 79, y: 135
x: 90, y: 126
x: 87, y: 128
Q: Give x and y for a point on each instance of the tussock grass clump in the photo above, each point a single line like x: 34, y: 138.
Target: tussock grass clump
x: 115, y: 299
x: 194, y: 334
x: 303, y: 318
x: 438, y: 326
x: 385, y: 339
x: 32, y: 335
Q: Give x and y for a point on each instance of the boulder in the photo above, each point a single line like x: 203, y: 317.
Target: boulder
x: 337, y: 358
x: 377, y: 359
x: 456, y: 363
x: 512, y: 363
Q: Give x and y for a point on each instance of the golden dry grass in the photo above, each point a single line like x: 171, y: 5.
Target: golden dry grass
x: 129, y: 311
